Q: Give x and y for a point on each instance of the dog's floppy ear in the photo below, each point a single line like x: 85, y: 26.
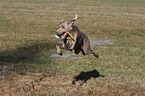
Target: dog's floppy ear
x: 73, y: 20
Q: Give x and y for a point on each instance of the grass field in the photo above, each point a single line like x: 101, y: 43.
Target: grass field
x: 27, y: 29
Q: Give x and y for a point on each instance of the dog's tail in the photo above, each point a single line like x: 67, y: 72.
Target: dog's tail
x: 95, y: 54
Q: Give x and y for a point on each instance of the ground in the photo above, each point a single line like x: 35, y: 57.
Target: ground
x: 27, y: 41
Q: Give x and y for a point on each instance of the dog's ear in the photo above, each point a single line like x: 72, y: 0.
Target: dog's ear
x: 76, y: 16
x: 73, y: 20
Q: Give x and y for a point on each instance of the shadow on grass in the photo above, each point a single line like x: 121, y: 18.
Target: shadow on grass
x: 24, y: 58
x: 85, y: 76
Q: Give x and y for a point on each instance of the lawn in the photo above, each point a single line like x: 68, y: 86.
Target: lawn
x: 27, y: 42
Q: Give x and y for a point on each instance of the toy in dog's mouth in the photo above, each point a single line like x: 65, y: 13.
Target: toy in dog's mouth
x: 65, y: 35
x: 57, y: 36
x: 62, y: 36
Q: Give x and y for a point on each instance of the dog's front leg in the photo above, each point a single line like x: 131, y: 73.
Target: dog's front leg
x: 58, y: 49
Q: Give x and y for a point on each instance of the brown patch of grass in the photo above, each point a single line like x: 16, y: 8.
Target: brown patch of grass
x: 27, y: 41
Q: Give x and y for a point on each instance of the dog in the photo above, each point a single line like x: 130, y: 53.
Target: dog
x: 79, y: 42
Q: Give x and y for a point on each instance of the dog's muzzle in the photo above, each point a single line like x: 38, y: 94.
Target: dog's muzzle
x: 62, y: 36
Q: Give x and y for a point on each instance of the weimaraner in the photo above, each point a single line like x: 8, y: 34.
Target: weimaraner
x: 79, y: 42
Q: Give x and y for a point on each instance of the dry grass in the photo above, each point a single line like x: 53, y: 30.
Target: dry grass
x: 27, y: 41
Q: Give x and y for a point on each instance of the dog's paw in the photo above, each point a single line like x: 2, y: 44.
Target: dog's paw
x: 95, y: 54
x: 60, y: 54
x: 59, y: 50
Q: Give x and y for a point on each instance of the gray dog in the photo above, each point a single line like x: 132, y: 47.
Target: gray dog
x: 73, y: 38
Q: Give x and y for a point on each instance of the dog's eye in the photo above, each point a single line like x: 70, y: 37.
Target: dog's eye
x: 62, y: 26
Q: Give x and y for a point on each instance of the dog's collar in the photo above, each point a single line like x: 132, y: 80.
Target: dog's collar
x: 70, y: 36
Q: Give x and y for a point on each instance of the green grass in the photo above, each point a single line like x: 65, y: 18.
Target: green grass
x: 27, y: 42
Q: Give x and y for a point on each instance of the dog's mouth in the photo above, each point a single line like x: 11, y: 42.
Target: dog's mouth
x: 62, y: 36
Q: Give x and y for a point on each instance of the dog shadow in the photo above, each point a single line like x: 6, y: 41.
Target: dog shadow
x: 22, y: 58
x: 85, y: 76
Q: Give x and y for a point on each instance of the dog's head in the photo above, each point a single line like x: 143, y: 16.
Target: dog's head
x: 66, y: 25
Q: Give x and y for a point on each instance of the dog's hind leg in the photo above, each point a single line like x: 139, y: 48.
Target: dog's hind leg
x: 86, y: 48
x: 77, y: 49
x: 90, y: 52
